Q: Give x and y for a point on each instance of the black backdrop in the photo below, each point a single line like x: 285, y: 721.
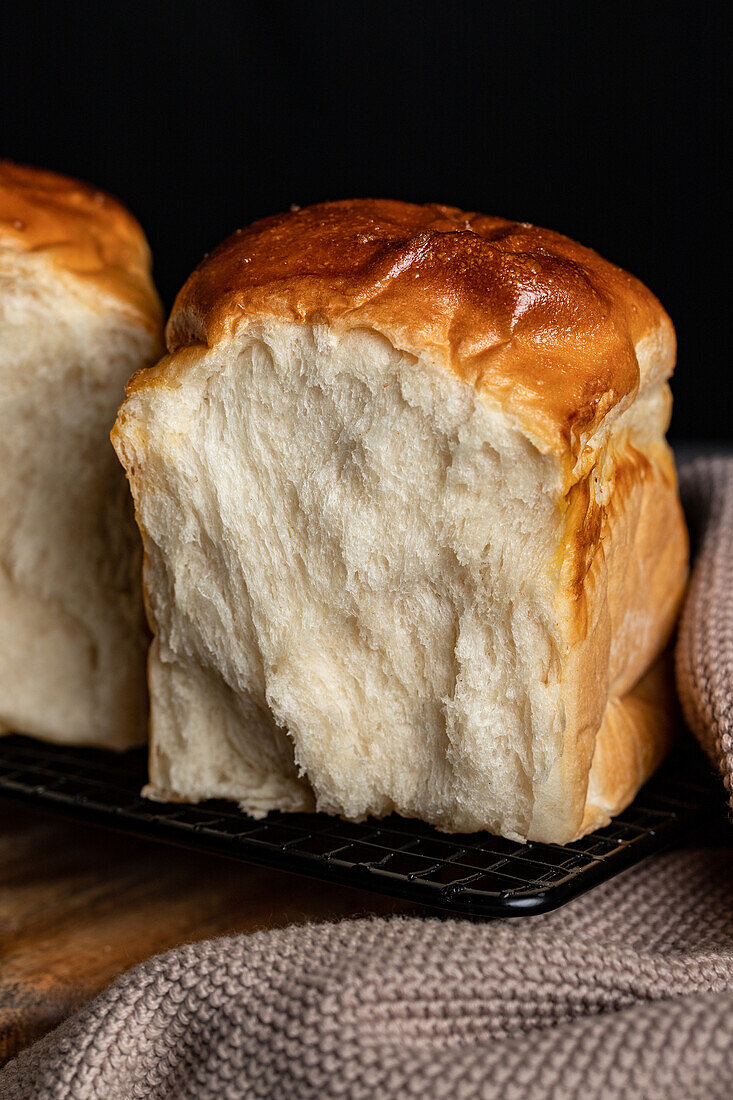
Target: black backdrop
x: 608, y: 121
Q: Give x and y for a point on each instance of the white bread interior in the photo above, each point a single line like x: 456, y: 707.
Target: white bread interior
x: 373, y: 589
x: 72, y: 630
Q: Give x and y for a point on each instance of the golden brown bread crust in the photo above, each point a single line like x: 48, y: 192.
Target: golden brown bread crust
x: 620, y: 617
x: 645, y: 545
x: 84, y: 232
x: 633, y: 740
x: 538, y: 323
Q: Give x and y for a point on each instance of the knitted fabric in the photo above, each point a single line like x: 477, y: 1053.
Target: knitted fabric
x: 625, y: 992
x: 705, y: 645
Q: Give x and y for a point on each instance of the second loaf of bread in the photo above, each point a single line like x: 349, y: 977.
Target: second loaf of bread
x: 78, y: 315
x: 412, y: 534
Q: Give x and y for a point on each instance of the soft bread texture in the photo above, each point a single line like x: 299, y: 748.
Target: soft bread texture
x: 412, y: 533
x: 78, y: 315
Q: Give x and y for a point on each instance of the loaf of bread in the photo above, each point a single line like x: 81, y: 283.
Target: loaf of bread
x: 78, y: 315
x: 411, y: 527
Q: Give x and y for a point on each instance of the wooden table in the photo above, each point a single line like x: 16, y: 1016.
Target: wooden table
x: 78, y: 905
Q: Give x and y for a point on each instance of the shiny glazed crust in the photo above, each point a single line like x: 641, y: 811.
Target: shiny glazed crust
x: 545, y: 327
x: 85, y: 234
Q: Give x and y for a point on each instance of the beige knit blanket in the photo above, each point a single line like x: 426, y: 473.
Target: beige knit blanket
x: 705, y: 643
x: 624, y: 993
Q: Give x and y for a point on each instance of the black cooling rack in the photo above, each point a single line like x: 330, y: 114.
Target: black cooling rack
x: 478, y: 874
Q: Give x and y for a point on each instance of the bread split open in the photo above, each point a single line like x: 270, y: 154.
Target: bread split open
x: 376, y: 587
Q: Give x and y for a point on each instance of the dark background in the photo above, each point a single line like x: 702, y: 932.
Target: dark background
x: 608, y: 121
